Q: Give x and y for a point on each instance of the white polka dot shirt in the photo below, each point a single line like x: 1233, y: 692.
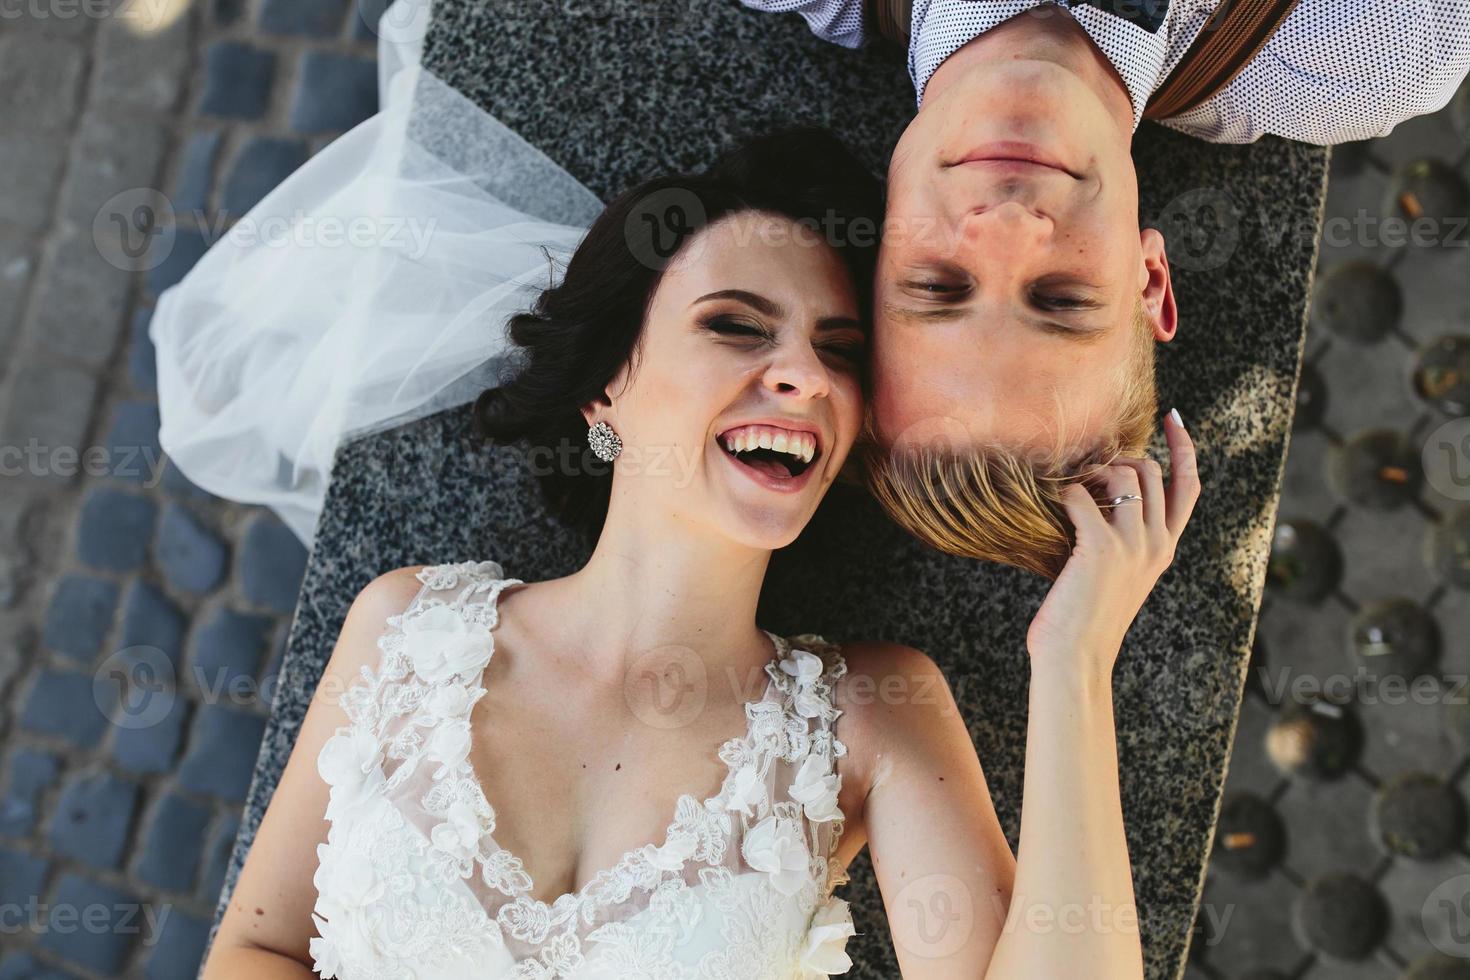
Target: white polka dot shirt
x: 1337, y: 70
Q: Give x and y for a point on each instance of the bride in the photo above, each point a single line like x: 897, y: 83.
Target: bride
x: 617, y: 773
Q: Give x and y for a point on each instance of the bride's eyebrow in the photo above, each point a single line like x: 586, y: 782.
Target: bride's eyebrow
x: 755, y: 301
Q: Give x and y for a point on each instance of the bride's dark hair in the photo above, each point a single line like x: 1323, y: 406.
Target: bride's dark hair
x: 581, y: 331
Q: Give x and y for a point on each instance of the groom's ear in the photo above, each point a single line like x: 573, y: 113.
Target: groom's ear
x: 1158, y: 286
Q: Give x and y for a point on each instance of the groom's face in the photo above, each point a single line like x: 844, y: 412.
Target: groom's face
x: 1012, y: 270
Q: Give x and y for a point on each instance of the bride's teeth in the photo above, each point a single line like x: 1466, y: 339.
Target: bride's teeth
x: 779, y: 443
x: 764, y: 440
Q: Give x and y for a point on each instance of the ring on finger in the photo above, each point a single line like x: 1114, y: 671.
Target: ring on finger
x: 1122, y: 499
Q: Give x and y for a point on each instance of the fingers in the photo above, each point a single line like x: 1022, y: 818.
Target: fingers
x: 1184, y: 485
x: 1151, y: 479
x: 1083, y: 511
x: 1126, y: 516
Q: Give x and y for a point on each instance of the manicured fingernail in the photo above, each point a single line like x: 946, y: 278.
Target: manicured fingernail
x: 1174, y: 414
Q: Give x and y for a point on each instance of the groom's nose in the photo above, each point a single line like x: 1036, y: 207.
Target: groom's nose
x: 1013, y: 220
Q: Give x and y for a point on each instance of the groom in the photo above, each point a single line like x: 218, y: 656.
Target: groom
x: 1018, y: 301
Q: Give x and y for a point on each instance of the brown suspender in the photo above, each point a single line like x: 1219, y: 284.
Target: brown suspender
x: 1230, y: 39
x: 1232, y: 36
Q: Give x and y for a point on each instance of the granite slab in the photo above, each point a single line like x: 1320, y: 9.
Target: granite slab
x: 618, y: 90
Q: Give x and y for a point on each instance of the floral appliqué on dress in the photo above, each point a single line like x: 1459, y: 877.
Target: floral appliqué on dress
x: 411, y: 882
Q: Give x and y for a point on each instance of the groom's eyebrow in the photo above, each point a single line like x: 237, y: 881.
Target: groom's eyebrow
x: 946, y: 314
x: 770, y: 308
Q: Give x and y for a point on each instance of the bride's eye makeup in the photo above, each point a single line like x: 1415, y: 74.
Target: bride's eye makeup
x: 724, y: 323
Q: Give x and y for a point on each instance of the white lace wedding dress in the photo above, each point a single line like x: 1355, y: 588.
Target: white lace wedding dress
x: 411, y: 882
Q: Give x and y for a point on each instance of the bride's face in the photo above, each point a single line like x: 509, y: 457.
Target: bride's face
x: 752, y: 339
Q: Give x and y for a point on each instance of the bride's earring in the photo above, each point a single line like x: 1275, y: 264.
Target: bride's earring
x: 604, y: 442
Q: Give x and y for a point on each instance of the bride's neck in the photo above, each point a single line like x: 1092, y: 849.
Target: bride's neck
x: 653, y: 584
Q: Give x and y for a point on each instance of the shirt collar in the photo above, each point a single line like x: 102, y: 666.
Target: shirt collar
x: 941, y: 27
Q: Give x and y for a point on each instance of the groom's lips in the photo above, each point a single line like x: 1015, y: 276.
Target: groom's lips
x: 1017, y: 155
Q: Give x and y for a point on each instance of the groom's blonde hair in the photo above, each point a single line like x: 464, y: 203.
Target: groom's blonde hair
x: 1001, y: 504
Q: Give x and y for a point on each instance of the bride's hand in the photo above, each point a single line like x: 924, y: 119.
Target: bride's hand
x: 1120, y: 553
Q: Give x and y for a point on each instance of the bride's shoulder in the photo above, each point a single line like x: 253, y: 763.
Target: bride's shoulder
x: 888, y: 687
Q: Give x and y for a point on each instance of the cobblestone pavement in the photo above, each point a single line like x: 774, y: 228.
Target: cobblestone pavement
x: 1341, y: 850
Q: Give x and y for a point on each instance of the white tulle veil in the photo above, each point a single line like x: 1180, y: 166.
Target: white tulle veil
x: 369, y: 289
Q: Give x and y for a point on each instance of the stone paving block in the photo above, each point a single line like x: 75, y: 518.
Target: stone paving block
x: 308, y: 18
x: 366, y: 15
x: 61, y: 703
x: 141, y: 63
x: 151, y: 620
x: 216, y: 858
x: 1368, y: 388
x: 30, y: 772
x: 223, y: 746
x: 46, y: 419
x: 93, y: 817
x: 80, y: 900
x: 1428, y: 900
x: 17, y: 264
x: 192, y: 557
x: 1376, y: 967
x: 132, y: 443
x: 170, y: 849
x: 114, y: 529
x: 270, y: 677
x: 1435, y: 135
x: 1251, y: 769
x: 1383, y: 554
x: 261, y: 165
x: 196, y: 172
x: 176, y: 484
x: 79, y: 616
x: 180, y: 949
x: 1304, y: 488
x: 40, y: 80
x: 1404, y: 728
x: 227, y: 12
x: 142, y: 359
x: 81, y: 302
x: 237, y: 80
x: 114, y: 152
x: 1352, y: 218
x: 1307, y: 649
x: 24, y: 966
x: 334, y: 92
x: 1251, y: 916
x: 22, y: 880
x: 172, y: 260
x: 227, y: 652
x: 33, y: 162
x: 152, y: 748
x: 1327, y: 826
x: 1431, y: 310
x: 271, y: 564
